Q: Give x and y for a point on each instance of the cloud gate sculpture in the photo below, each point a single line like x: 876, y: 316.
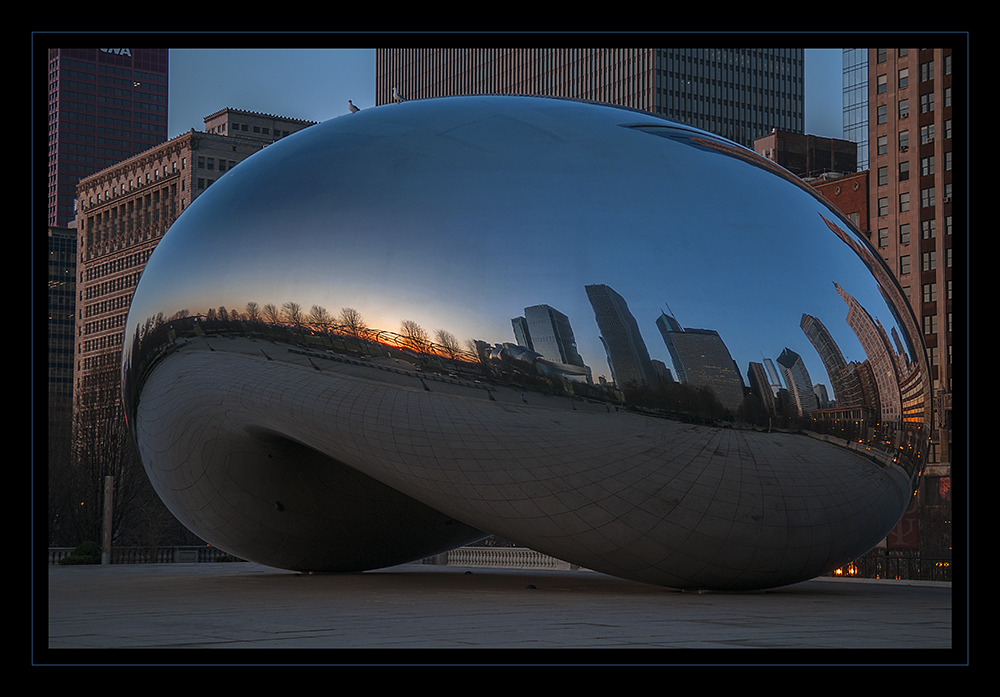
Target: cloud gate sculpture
x: 621, y: 341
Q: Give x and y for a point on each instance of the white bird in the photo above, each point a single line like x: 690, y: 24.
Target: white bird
x: 396, y: 96
x: 350, y: 105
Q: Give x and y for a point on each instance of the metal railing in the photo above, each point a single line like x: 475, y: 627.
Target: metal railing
x: 146, y: 555
x: 876, y: 564
x: 904, y: 565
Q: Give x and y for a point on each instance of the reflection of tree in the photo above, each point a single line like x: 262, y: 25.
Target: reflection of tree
x: 353, y: 322
x: 253, y: 312
x: 321, y: 319
x: 293, y: 313
x: 447, y: 341
x: 414, y: 335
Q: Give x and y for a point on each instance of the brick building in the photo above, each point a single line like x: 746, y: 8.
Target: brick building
x: 124, y: 211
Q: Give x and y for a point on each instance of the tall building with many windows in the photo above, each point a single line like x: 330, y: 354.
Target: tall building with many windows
x: 740, y: 94
x: 104, y: 106
x: 911, y: 116
x: 124, y: 211
x: 628, y: 357
x: 856, y: 101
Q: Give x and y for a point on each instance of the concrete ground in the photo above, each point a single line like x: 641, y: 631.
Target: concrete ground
x: 427, y: 613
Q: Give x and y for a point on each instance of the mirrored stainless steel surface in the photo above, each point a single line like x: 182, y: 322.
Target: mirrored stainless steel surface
x: 581, y: 328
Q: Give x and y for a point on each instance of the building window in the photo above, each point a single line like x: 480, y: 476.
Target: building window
x: 927, y: 229
x: 927, y: 197
x: 904, y: 264
x: 883, y: 236
x: 926, y: 103
x: 930, y: 324
x: 883, y: 145
x: 927, y: 71
x: 904, y: 77
x: 904, y: 170
x: 926, y: 166
x: 881, y: 84
x: 930, y: 292
x: 904, y: 141
x: 904, y: 233
x: 883, y: 206
x: 929, y: 261
x: 883, y: 176
x: 882, y: 113
x: 904, y: 202
x: 904, y: 108
x: 927, y: 134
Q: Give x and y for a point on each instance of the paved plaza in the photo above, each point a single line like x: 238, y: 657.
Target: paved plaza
x: 426, y: 614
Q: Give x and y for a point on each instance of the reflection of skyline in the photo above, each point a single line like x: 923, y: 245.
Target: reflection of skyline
x: 700, y: 357
x: 391, y: 252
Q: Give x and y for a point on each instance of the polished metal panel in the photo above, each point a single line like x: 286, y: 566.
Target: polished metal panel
x: 330, y: 362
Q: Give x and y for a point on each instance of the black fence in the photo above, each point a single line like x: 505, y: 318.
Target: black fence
x: 145, y: 555
x: 876, y: 564
x: 897, y: 564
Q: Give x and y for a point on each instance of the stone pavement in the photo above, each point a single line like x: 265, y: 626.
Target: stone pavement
x: 441, y: 609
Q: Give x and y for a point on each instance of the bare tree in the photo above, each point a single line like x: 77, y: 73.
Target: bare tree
x: 321, y: 319
x: 253, y: 312
x: 271, y: 314
x: 447, y: 341
x: 102, y: 446
x: 352, y: 321
x: 415, y: 335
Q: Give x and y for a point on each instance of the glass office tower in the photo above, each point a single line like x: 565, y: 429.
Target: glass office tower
x: 740, y: 94
x: 856, y: 101
x: 104, y: 106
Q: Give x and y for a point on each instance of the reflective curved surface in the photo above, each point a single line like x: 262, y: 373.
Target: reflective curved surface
x: 581, y: 328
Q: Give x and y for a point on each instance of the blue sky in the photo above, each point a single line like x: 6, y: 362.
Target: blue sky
x: 315, y: 84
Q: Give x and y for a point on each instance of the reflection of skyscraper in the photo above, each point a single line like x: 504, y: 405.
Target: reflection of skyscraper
x: 760, y: 386
x: 843, y: 377
x: 547, y: 331
x: 880, y: 355
x: 774, y: 379
x: 701, y: 359
x: 797, y: 379
x: 628, y: 357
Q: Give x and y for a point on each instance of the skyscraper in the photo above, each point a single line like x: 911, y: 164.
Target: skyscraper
x: 701, y: 359
x: 104, y: 106
x: 124, y: 211
x: 911, y: 115
x: 856, y: 101
x: 547, y: 331
x: 799, y: 383
x: 628, y: 357
x: 740, y: 94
